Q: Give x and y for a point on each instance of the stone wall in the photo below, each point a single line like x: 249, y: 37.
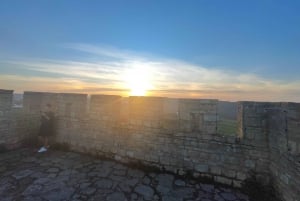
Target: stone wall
x: 14, y: 124
x: 179, y: 135
x: 5, y: 110
x: 283, y: 126
x: 276, y: 127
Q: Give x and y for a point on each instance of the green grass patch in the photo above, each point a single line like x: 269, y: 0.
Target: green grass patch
x: 227, y: 127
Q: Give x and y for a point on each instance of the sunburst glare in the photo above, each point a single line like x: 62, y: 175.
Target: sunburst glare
x: 138, y: 80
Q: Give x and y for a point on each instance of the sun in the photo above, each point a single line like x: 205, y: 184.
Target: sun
x: 138, y: 81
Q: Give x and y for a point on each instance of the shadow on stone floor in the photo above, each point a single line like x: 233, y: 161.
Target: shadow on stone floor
x: 57, y: 175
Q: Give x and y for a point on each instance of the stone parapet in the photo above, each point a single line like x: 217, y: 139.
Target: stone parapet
x: 178, y: 135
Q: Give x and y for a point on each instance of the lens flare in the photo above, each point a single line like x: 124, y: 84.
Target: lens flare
x: 138, y: 80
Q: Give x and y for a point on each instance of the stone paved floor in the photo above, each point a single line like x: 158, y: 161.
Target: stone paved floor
x: 56, y: 175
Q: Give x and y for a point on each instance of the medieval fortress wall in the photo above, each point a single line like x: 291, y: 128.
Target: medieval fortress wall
x: 178, y: 135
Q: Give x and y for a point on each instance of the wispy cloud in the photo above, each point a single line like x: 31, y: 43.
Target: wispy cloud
x: 168, y: 77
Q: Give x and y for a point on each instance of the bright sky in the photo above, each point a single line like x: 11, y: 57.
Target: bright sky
x: 229, y: 50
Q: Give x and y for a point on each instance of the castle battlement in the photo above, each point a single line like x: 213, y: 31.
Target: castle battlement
x: 178, y: 135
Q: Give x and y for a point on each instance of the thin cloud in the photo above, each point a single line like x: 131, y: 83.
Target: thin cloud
x: 168, y: 77
x: 104, y: 51
x: 21, y: 83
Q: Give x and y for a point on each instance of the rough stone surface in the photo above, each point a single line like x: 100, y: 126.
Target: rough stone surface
x: 104, y: 183
x: 177, y: 135
x: 146, y: 191
x: 228, y: 196
x: 19, y: 182
x: 22, y: 174
x: 179, y: 182
x: 116, y: 196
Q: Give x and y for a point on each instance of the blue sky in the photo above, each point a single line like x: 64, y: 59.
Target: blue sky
x: 234, y: 50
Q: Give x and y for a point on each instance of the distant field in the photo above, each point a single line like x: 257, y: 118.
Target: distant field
x: 227, y: 127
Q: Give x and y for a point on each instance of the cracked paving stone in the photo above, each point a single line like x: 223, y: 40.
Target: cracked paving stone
x: 43, y: 180
x: 204, y: 195
x: 38, y: 175
x: 217, y: 197
x: 146, y: 191
x: 119, y: 172
x: 7, y: 188
x: 33, y: 189
x: 184, y: 192
x: 124, y: 187
x: 29, y: 159
x: 7, y: 199
x: 179, y: 182
x: 104, y: 172
x: 89, y: 190
x: 53, y: 170
x: 68, y: 172
x: 22, y: 174
x: 205, y: 199
x: 104, y: 183
x: 241, y: 196
x: 228, y: 190
x: 134, y: 196
x: 228, y: 196
x: 84, y: 185
x: 116, y: 196
x: 146, y: 180
x: 77, y: 196
x: 135, y: 173
x: 31, y: 198
x: 156, y: 198
x: 27, y: 177
x: 59, y: 194
x: 152, y: 175
x: 165, y: 180
x: 117, y: 178
x: 108, y: 164
x: 93, y: 174
x: 171, y: 198
x: 165, y: 183
x: 120, y: 167
x: 4, y: 187
x: 131, y: 181
x: 101, y: 194
x: 163, y: 190
x: 52, y: 175
x: 207, y: 187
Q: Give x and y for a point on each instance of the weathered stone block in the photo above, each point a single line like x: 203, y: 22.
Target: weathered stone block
x: 130, y: 154
x: 146, y: 107
x: 250, y: 163
x: 237, y: 184
x: 210, y: 117
x: 223, y: 180
x: 241, y: 176
x: 215, y: 170
x: 284, y: 177
x: 228, y: 173
x: 170, y: 107
x: 292, y: 147
x: 5, y: 99
x: 201, y: 168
